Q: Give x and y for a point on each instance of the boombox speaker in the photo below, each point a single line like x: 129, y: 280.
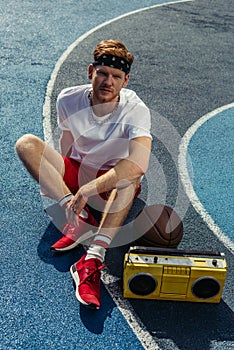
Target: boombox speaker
x: 170, y: 274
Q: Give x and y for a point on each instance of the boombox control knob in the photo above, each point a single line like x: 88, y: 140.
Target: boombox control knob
x: 155, y: 259
x: 214, y: 262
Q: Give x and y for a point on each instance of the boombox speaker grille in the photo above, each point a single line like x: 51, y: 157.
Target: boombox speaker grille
x: 205, y: 287
x: 142, y: 284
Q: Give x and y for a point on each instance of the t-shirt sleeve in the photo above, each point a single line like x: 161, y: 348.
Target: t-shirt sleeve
x: 62, y: 118
x: 139, y: 122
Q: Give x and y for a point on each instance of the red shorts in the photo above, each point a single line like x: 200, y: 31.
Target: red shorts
x: 76, y: 175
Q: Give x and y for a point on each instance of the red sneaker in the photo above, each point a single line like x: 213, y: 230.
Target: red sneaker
x: 73, y: 236
x: 86, y: 275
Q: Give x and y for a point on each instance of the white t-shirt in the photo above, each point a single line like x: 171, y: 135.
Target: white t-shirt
x: 101, y: 146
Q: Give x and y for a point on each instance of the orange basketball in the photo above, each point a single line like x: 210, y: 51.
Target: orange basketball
x: 159, y: 226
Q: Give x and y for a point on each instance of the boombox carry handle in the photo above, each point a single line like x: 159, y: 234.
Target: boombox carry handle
x: 171, y: 251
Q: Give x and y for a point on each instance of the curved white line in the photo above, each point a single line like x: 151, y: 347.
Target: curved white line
x: 134, y: 322
x: 147, y: 341
x: 47, y: 127
x: 185, y: 178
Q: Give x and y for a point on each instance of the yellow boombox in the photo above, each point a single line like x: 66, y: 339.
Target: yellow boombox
x: 170, y: 274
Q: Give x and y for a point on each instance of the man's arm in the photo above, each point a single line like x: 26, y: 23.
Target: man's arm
x: 66, y: 141
x: 125, y: 172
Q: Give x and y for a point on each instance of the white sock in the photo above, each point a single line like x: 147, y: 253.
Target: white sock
x: 64, y: 200
x: 98, y: 247
x: 96, y: 252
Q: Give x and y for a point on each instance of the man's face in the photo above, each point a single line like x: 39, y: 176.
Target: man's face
x: 107, y: 83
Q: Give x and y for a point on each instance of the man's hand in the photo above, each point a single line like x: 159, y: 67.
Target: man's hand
x: 75, y: 207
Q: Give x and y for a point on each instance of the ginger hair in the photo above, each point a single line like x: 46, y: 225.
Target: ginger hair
x: 113, y: 47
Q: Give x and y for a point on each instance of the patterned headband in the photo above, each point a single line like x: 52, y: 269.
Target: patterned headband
x: 113, y: 62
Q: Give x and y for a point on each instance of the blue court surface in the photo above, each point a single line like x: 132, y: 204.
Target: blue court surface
x: 183, y: 70
x: 212, y: 166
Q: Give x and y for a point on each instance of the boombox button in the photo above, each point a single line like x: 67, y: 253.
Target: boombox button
x: 155, y: 259
x: 215, y: 262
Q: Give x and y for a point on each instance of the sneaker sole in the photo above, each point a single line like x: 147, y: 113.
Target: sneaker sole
x: 84, y: 237
x: 76, y: 279
x: 70, y: 247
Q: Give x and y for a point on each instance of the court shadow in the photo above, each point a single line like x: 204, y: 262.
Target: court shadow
x: 185, y: 324
x: 180, y: 323
x: 93, y: 319
x: 63, y: 261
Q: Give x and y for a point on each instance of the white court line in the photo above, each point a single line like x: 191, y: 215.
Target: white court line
x: 185, y: 178
x: 47, y: 127
x: 138, y: 328
x: 147, y: 341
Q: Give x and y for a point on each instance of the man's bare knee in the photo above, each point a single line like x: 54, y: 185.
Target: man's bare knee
x: 27, y: 145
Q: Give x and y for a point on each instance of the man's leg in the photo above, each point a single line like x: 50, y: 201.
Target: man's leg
x: 44, y: 164
x: 86, y: 272
x: 47, y: 167
x: 115, y: 212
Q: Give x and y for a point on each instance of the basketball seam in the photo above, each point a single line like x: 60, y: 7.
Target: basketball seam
x: 169, y: 221
x: 159, y: 231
